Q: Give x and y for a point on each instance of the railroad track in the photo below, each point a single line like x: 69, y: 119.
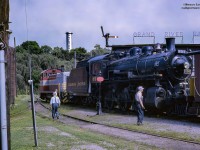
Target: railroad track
x: 131, y: 131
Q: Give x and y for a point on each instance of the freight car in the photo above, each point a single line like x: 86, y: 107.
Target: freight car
x: 163, y: 72
x: 51, y: 80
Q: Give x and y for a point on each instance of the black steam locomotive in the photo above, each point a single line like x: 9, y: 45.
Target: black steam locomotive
x: 163, y: 72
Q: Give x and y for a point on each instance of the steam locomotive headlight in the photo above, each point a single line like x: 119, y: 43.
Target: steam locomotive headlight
x: 186, y: 65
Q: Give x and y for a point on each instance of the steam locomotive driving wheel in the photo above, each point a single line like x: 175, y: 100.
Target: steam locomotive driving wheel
x: 109, y: 97
x: 123, y: 100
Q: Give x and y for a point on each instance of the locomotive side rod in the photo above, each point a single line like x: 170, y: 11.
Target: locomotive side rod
x: 186, y: 53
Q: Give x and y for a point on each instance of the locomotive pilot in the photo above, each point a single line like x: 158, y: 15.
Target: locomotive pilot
x: 139, y: 105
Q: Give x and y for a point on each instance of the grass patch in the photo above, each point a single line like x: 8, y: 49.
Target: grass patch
x: 56, y: 135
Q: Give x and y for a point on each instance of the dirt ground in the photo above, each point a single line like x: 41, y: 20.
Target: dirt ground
x: 157, y: 124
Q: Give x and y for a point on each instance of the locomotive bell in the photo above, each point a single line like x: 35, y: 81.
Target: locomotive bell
x: 158, y: 46
x: 170, y: 44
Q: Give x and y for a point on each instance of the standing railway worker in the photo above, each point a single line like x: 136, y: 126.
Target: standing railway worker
x: 55, y: 103
x: 139, y: 105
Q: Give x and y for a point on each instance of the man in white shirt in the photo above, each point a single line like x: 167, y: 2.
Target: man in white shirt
x: 139, y: 105
x: 55, y: 103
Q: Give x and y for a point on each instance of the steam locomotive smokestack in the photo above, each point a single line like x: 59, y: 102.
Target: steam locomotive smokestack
x: 170, y: 44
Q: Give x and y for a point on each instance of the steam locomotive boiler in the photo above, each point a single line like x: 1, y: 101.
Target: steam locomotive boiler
x: 163, y: 72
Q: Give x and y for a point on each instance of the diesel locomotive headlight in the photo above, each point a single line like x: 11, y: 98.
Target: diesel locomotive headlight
x: 186, y: 65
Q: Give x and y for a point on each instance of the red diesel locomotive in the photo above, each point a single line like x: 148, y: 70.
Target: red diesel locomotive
x: 52, y: 80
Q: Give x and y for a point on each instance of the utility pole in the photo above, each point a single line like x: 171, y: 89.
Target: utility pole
x: 33, y: 104
x: 3, y: 114
x: 4, y: 100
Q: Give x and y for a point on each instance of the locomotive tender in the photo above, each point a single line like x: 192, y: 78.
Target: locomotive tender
x: 163, y: 72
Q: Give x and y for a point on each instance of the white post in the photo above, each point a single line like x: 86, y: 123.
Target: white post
x: 3, y: 110
x: 33, y: 112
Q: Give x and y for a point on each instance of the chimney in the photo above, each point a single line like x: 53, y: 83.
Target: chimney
x: 170, y: 44
x: 68, y: 40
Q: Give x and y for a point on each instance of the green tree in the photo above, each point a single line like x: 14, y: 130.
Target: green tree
x: 32, y: 47
x: 21, y: 85
x: 46, y: 49
x: 66, y: 55
x: 48, y: 61
x: 60, y: 53
x: 36, y: 76
x: 20, y: 49
x: 98, y: 50
x: 41, y: 59
x: 80, y: 53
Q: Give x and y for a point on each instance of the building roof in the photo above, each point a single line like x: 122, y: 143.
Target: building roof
x: 178, y: 46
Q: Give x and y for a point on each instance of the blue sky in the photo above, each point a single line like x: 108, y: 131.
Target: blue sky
x: 48, y: 20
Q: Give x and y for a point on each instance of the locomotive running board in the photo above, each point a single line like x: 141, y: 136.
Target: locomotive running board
x: 147, y: 76
x: 79, y: 94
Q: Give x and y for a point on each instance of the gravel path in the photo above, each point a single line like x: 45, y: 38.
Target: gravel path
x: 143, y: 138
x: 158, y: 124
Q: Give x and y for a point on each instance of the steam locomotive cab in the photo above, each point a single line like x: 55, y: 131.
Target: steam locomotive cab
x: 82, y: 82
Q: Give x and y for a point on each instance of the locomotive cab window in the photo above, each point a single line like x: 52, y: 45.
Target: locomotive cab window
x: 96, y: 68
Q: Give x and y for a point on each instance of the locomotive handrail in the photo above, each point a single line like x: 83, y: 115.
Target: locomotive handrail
x: 147, y: 76
x: 189, y: 53
x: 193, y: 53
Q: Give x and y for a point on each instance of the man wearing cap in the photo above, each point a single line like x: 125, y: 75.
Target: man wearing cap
x: 139, y: 105
x: 55, y: 103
